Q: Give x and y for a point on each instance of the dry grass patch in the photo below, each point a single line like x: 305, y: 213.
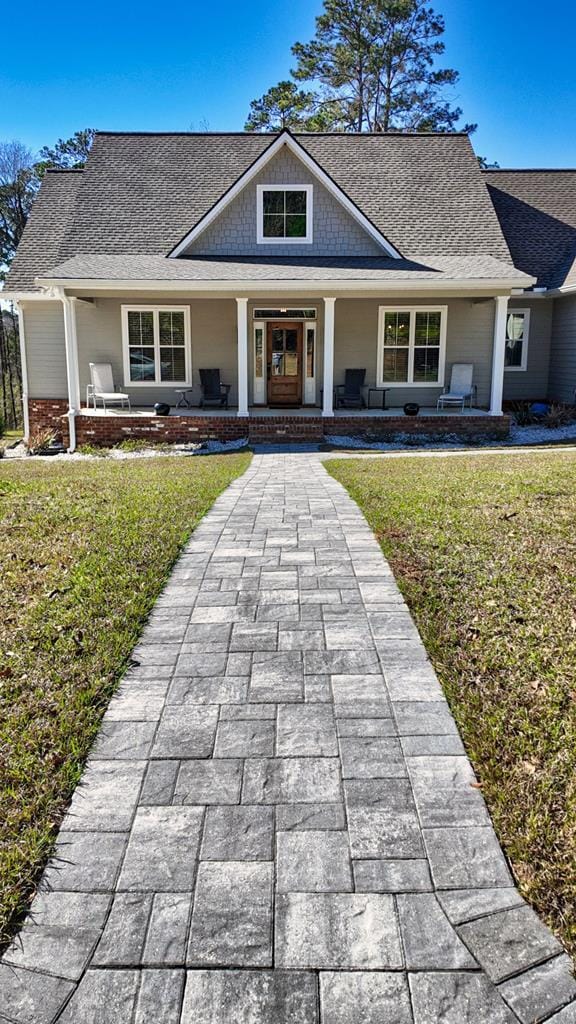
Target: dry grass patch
x: 484, y: 549
x: 85, y: 548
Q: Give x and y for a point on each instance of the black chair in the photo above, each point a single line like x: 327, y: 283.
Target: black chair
x: 213, y: 391
x: 349, y: 394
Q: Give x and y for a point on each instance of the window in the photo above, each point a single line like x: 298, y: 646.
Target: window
x: 156, y: 344
x: 285, y: 314
x: 284, y: 214
x: 517, y: 329
x: 411, y: 346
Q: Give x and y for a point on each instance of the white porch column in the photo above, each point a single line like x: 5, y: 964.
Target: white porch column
x: 328, y: 404
x: 72, y: 374
x: 242, y: 318
x: 498, y: 354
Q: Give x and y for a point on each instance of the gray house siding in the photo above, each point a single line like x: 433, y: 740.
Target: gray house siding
x: 532, y: 383
x: 335, y: 231
x: 45, y: 349
x: 562, y: 383
x: 213, y: 336
x: 469, y: 332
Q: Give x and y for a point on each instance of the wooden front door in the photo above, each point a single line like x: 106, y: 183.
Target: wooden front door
x: 284, y: 363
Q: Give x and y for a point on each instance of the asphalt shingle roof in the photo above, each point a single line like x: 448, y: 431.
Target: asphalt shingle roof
x: 96, y: 267
x: 537, y: 212
x: 140, y: 193
x: 40, y: 247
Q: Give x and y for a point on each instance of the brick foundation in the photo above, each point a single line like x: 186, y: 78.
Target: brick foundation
x: 50, y: 414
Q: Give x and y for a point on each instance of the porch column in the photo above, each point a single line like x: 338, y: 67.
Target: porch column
x: 327, y: 404
x: 73, y: 378
x: 498, y: 354
x: 24, y: 369
x: 242, y: 323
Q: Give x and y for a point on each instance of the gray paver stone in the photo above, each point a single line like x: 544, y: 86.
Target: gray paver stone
x: 334, y: 930
x: 291, y: 779
x: 536, y: 993
x: 311, y: 861
x: 123, y: 940
x: 466, y: 858
x: 250, y: 997
x: 305, y: 730
x: 372, y: 997
x: 31, y: 998
x: 392, y: 876
x: 185, y: 731
x: 451, y: 997
x: 162, y: 850
x: 167, y: 928
x: 509, y: 941
x: 159, y: 997
x: 60, y: 933
x: 103, y: 997
x: 430, y: 942
x: 232, y: 915
x: 209, y: 782
x: 238, y: 833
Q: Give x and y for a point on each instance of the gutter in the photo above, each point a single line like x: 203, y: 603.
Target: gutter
x: 267, y: 285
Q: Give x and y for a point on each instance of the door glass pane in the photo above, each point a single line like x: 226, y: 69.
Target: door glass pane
x: 142, y: 363
x: 291, y: 353
x: 426, y: 364
x: 258, y: 352
x: 172, y: 364
x: 310, y: 352
x: 395, y: 364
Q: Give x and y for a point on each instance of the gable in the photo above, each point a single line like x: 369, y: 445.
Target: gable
x: 234, y: 230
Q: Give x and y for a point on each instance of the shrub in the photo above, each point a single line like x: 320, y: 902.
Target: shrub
x: 559, y: 415
x: 39, y: 440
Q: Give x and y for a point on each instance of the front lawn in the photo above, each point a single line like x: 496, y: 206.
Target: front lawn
x: 484, y: 549
x: 85, y: 548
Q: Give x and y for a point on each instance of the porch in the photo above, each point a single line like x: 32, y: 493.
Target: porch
x: 294, y: 425
x: 157, y: 346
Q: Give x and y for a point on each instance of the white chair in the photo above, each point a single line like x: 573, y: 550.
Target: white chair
x: 102, y: 387
x: 461, y: 388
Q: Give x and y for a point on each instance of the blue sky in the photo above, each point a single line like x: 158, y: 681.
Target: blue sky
x: 121, y: 66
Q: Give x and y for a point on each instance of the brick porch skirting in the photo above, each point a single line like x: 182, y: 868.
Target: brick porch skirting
x: 50, y: 414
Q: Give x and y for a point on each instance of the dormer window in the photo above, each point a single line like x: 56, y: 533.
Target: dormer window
x: 284, y: 214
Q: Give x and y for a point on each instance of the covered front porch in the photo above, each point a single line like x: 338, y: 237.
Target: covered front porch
x: 283, y: 357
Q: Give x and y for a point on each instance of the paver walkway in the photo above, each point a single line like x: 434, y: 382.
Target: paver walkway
x: 277, y: 823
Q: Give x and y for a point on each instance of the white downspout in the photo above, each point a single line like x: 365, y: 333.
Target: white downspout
x: 24, y: 370
x: 71, y: 344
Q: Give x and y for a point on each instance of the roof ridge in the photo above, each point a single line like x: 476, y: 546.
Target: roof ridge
x: 251, y: 135
x: 528, y: 170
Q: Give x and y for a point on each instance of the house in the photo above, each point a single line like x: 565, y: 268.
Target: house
x: 284, y: 260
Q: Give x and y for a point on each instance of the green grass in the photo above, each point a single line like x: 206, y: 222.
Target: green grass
x: 484, y: 550
x: 85, y: 548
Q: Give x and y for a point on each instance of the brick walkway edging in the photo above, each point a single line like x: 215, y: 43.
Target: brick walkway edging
x: 277, y: 823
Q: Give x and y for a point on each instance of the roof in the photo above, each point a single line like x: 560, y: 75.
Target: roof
x: 100, y: 267
x: 41, y: 244
x: 140, y: 193
x: 537, y: 212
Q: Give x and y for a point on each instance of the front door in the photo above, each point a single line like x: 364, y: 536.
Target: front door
x: 284, y: 364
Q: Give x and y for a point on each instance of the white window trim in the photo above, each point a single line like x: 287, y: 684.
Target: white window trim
x: 524, y: 364
x: 287, y: 187
x: 411, y: 383
x: 156, y: 383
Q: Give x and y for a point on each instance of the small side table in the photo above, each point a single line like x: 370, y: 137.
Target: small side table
x: 183, y: 401
x: 378, y: 391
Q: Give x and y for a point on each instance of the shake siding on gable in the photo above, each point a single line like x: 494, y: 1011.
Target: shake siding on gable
x: 336, y: 232
x: 563, y: 355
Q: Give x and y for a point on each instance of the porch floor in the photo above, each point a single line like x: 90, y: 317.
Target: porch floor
x: 266, y: 411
